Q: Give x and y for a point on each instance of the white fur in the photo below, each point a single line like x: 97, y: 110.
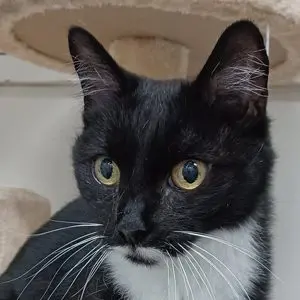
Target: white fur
x: 158, y: 283
x: 244, y: 76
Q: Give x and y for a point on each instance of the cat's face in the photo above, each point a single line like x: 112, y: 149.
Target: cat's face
x: 159, y: 157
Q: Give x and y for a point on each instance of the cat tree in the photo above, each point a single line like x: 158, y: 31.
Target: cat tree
x: 157, y: 38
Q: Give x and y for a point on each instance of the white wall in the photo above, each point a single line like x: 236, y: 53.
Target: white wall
x: 37, y: 130
x: 38, y: 126
x: 286, y: 133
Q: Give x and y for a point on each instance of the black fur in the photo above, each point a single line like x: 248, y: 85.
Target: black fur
x: 147, y: 127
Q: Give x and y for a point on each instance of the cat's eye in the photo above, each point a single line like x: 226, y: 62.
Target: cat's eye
x: 106, y: 171
x: 189, y: 174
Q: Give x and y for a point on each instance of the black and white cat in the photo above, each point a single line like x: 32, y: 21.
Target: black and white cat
x: 177, y: 173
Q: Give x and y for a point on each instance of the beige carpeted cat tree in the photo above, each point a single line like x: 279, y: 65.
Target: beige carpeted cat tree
x: 157, y: 38
x: 21, y: 212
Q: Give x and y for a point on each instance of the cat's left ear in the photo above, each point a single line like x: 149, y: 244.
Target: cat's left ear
x: 235, y: 77
x: 100, y: 76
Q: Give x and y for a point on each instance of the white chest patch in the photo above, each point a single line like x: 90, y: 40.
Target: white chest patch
x: 211, y: 270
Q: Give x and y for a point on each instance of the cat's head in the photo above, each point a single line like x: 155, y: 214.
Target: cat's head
x: 159, y: 157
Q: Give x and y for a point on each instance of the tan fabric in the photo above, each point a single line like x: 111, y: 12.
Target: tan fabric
x: 165, y: 60
x: 36, y: 30
x: 21, y: 213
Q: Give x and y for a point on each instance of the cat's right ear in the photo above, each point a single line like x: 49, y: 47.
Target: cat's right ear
x: 99, y: 74
x: 235, y: 76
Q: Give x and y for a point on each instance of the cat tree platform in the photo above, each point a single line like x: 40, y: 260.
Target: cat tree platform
x: 157, y: 38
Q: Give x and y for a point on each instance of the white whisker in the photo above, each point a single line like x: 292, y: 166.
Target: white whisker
x: 217, y: 269
x: 91, y: 240
x: 65, y: 228
x: 238, y: 248
x: 168, y: 270
x: 203, y: 278
x: 92, y: 253
x: 168, y: 273
x: 183, y: 273
x: 206, y: 281
x: 52, y: 260
x: 75, y: 223
x: 220, y: 262
x: 186, y: 279
x: 93, y: 271
x: 174, y: 275
x: 48, y: 256
x: 189, y: 263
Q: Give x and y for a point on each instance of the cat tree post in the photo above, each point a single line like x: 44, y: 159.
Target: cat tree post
x: 22, y: 212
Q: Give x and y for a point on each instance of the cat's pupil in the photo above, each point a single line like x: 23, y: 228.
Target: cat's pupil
x: 190, y: 171
x: 106, y: 168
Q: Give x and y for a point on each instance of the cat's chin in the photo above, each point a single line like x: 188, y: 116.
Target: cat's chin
x: 141, y: 255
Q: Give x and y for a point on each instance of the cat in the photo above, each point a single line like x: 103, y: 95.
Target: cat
x: 174, y: 180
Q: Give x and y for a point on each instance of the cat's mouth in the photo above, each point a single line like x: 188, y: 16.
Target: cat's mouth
x: 142, y: 255
x: 138, y: 259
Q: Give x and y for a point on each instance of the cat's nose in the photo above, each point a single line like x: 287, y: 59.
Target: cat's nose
x: 132, y: 230
x: 132, y: 237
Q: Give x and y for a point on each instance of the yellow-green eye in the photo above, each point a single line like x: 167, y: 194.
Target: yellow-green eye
x: 106, y: 171
x: 189, y: 174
